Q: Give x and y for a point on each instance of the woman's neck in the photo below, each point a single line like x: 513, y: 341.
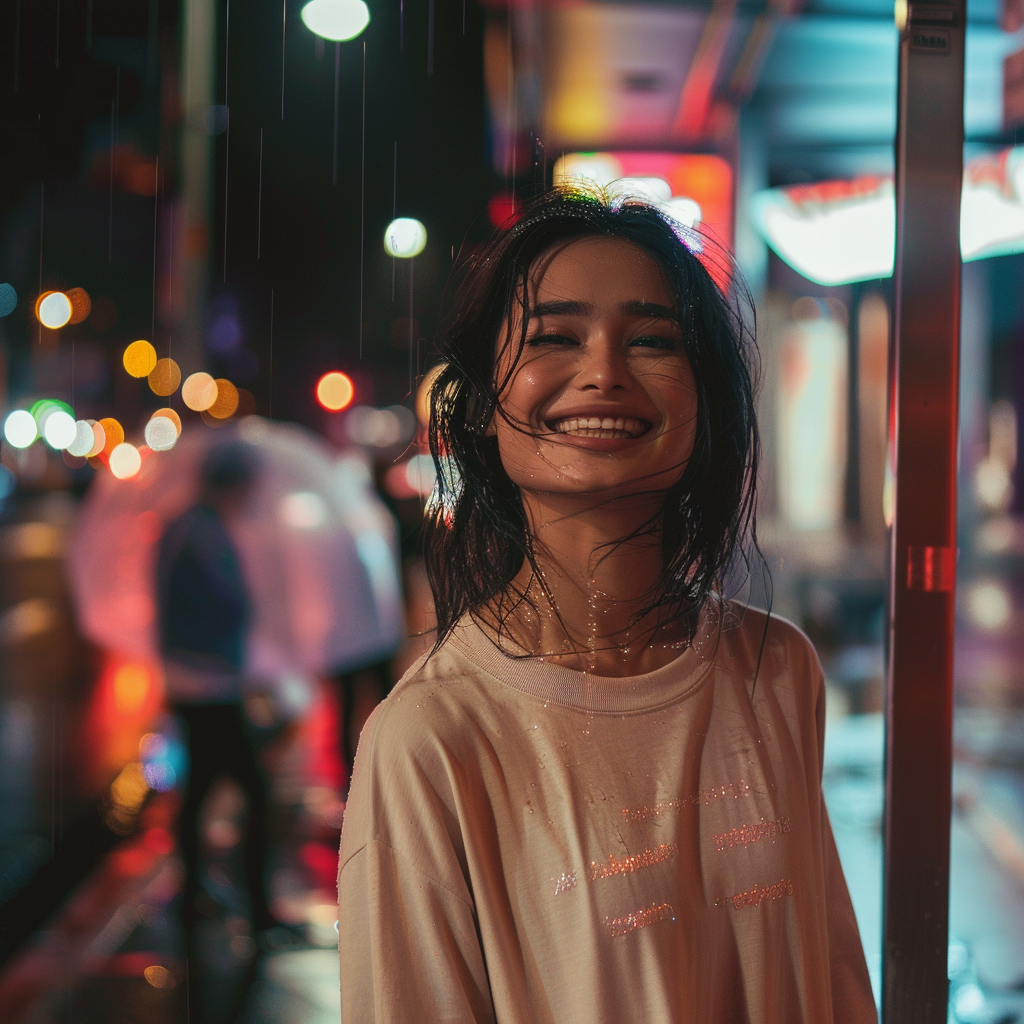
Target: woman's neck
x: 589, y: 604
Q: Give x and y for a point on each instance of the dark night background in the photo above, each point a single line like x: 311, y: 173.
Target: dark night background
x: 67, y: 82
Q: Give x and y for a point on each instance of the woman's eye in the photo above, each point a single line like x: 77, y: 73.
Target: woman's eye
x: 660, y: 341
x: 551, y: 339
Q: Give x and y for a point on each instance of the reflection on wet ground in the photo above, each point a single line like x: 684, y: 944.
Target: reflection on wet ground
x: 986, y: 958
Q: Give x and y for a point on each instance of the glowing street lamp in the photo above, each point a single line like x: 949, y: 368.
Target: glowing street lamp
x: 336, y: 20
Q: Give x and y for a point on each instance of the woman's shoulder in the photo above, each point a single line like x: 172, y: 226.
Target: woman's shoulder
x: 434, y: 701
x: 752, y: 639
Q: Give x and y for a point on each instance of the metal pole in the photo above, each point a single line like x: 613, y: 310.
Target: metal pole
x: 929, y: 169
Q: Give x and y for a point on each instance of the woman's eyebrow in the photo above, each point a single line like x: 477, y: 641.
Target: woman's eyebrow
x: 652, y: 309
x: 565, y: 307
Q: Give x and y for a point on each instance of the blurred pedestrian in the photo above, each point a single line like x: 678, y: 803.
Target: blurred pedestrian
x: 204, y: 611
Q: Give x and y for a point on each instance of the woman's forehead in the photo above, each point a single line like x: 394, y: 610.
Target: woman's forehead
x: 595, y: 267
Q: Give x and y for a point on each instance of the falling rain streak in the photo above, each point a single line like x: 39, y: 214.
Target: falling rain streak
x: 337, y: 81
x: 362, y: 206
x: 259, y: 202
x: 156, y: 210
x: 430, y: 38
x: 42, y: 205
x: 284, y: 23
x: 115, y: 115
x: 227, y: 131
x: 270, y: 372
x: 394, y: 214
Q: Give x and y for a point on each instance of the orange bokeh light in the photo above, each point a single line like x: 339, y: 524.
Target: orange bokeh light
x: 113, y: 434
x: 140, y: 359
x: 81, y: 304
x: 165, y: 377
x: 335, y: 391
x: 226, y: 401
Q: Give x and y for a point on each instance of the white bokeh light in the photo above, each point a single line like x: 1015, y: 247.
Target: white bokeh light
x: 20, y: 428
x: 55, y: 310
x: 84, y: 440
x: 125, y: 461
x: 405, y: 237
x: 336, y: 20
x: 161, y: 434
x: 60, y: 429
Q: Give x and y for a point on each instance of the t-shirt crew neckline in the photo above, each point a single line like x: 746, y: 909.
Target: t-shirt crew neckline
x: 585, y: 691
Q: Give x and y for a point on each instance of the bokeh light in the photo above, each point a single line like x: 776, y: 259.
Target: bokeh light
x: 227, y: 400
x: 20, y: 428
x: 405, y: 237
x: 81, y: 304
x: 380, y: 428
x: 140, y: 359
x: 131, y: 687
x: 53, y: 310
x: 125, y: 461
x: 60, y: 429
x: 113, y: 434
x: 165, y: 377
x: 44, y: 408
x: 303, y: 510
x: 336, y: 20
x: 99, y: 442
x: 161, y: 434
x: 158, y: 976
x: 502, y: 210
x: 335, y: 391
x: 172, y: 416
x: 8, y: 299
x: 199, y: 391
x: 83, y: 441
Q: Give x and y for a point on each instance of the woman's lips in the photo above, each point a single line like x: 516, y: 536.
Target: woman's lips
x: 601, y: 427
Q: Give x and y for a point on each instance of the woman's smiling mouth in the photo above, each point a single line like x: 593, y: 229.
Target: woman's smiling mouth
x: 607, y: 427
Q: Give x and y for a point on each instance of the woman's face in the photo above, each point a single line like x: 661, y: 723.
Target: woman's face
x: 602, y: 400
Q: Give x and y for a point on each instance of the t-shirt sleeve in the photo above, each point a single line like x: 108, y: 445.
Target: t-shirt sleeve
x: 409, y: 948
x: 407, y: 928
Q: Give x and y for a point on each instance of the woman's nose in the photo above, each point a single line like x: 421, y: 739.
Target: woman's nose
x: 604, y: 367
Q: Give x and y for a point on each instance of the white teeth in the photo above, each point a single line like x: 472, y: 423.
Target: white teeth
x: 600, y: 426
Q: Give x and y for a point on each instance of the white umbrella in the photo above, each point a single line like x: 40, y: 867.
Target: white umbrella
x: 317, y: 548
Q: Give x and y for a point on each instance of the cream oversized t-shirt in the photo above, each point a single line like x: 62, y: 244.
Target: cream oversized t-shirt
x: 528, y: 844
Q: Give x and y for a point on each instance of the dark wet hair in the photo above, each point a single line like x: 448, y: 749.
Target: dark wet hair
x: 476, y: 535
x: 229, y: 465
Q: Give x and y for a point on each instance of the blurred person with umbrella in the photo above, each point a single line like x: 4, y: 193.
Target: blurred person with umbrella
x: 204, y: 612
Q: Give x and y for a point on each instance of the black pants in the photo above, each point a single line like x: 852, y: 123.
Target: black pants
x: 220, y: 743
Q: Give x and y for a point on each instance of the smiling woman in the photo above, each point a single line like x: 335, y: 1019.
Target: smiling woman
x: 543, y: 817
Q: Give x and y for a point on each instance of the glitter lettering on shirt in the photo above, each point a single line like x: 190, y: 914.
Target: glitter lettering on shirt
x: 756, y: 896
x: 747, y: 834
x: 618, y: 926
x: 566, y: 882
x: 648, y: 858
x: 705, y: 796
